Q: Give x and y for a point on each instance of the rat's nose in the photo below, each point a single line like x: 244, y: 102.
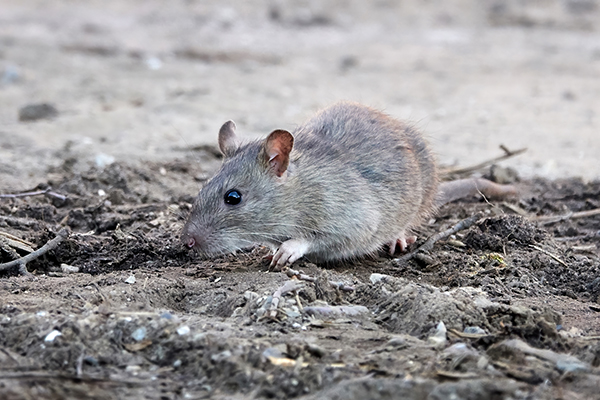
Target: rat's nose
x: 191, y: 242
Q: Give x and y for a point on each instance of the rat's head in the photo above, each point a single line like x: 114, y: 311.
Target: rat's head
x: 238, y: 206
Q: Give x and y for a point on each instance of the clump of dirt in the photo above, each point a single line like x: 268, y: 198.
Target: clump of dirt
x: 495, y: 233
x: 492, y: 312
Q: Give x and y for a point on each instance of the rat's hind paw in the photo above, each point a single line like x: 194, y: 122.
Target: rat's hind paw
x: 401, y: 243
x: 289, y: 251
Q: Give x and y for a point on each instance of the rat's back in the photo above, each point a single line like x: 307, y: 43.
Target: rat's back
x: 373, y: 175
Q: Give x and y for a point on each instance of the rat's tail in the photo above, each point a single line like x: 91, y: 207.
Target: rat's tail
x: 461, y: 188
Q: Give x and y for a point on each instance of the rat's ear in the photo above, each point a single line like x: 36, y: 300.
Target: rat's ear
x: 276, y: 151
x: 228, y: 142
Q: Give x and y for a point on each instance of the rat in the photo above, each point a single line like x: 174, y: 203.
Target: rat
x: 345, y: 184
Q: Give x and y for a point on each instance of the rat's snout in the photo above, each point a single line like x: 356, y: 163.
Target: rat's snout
x: 190, y: 241
x: 193, y: 238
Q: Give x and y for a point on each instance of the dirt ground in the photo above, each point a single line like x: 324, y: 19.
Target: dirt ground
x: 135, y: 93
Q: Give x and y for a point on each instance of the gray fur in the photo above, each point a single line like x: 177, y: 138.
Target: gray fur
x: 357, y: 179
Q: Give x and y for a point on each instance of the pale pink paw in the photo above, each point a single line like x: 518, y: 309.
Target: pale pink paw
x: 288, y: 252
x: 401, y: 243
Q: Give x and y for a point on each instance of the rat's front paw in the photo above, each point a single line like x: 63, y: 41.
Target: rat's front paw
x: 289, y: 251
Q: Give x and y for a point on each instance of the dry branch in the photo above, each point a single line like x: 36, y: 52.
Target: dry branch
x: 47, y: 192
x: 22, y: 262
x: 464, y: 170
x: 546, y: 252
x: 428, y: 245
x: 548, y: 219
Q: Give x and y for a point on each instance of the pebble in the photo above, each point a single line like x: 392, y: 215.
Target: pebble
x: 139, y: 334
x: 52, y: 335
x: 183, y: 330
x: 474, y: 330
x: 374, y: 278
x: 438, y: 339
x: 34, y: 112
x: 68, y: 269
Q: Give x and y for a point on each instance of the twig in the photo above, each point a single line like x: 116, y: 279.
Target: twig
x: 300, y: 307
x: 428, y: 245
x: 9, y: 242
x: 589, y: 337
x: 79, y: 368
x: 53, y: 375
x: 549, y: 254
x: 507, y: 154
x: 341, y: 286
x: 548, y: 219
x: 289, y: 286
x: 292, y: 273
x: 22, y: 262
x: 468, y: 335
x: 48, y: 192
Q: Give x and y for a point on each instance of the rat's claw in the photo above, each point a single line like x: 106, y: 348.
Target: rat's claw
x: 289, y: 251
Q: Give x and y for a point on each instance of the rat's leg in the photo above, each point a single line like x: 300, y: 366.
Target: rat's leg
x: 290, y: 251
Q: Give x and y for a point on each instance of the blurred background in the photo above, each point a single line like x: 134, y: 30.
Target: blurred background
x: 93, y: 82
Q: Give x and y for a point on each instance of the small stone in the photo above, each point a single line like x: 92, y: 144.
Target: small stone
x: 34, y: 112
x: 315, y: 350
x: 139, y: 334
x: 133, y: 369
x: 52, y: 335
x: 374, y: 278
x: 68, y: 269
x: 224, y: 355
x: 183, y: 330
x: 130, y: 280
x: 102, y: 160
x: 438, y: 339
x: 474, y: 330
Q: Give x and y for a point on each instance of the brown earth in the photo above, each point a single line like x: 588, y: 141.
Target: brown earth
x: 136, y: 92
x: 504, y: 278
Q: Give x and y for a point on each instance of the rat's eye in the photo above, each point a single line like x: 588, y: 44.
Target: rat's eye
x: 233, y: 197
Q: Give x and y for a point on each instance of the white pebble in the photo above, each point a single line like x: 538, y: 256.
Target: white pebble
x: 183, y: 330
x: 52, y: 335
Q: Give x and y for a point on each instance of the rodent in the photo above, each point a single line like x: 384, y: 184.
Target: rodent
x: 349, y: 181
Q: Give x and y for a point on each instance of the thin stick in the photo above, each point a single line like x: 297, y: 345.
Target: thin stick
x: 507, y: 154
x: 341, y: 286
x: 428, y: 245
x: 22, y: 262
x: 292, y: 273
x: 571, y: 215
x: 289, y: 286
x: 549, y: 254
x: 48, y: 192
x: 52, y: 375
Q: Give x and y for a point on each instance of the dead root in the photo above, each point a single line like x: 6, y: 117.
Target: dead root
x: 428, y: 245
x: 466, y: 170
x: 22, y: 262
